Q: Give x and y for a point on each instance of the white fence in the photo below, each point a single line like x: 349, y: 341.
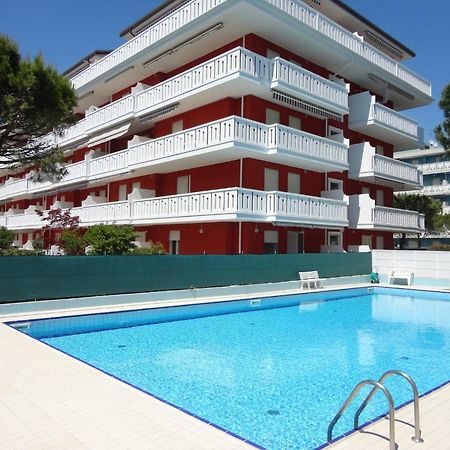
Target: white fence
x: 424, y: 264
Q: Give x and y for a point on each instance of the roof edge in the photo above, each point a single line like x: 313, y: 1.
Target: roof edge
x: 86, y: 60
x: 364, y: 19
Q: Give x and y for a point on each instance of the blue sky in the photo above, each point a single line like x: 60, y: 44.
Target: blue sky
x: 66, y: 34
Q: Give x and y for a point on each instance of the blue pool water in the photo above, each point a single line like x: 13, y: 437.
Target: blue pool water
x: 273, y: 371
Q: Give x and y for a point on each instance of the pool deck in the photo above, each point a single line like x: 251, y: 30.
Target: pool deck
x: 49, y: 400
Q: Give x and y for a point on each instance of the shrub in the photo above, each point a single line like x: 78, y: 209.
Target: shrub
x: 73, y: 242
x: 38, y: 244
x: 156, y: 249
x: 12, y: 251
x: 110, y: 239
x: 6, y: 238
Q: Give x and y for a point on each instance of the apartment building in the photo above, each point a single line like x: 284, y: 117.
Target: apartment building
x: 434, y: 163
x: 238, y: 126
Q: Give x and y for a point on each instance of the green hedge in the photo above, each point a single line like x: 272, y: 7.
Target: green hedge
x: 47, y: 277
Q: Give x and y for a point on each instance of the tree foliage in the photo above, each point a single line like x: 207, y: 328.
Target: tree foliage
x: 442, y: 131
x: 62, y: 221
x: 442, y: 222
x: 6, y: 238
x: 34, y: 101
x: 73, y: 242
x: 110, y: 239
x: 420, y: 203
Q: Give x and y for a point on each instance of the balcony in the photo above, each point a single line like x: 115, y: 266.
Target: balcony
x: 364, y: 214
x: 436, y: 167
x: 435, y: 190
x: 14, y: 187
x: 366, y: 165
x: 293, y: 80
x: 305, y: 31
x: 219, y: 141
x: 370, y: 118
x: 234, y: 73
x: 222, y: 205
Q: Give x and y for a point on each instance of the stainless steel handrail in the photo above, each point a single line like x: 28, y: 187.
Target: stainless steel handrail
x: 418, y: 434
x: 377, y: 385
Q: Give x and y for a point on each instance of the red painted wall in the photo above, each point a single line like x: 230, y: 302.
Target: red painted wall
x: 198, y: 116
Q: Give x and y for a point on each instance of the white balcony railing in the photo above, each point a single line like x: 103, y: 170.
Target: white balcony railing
x: 398, y: 218
x: 303, y: 149
x: 170, y: 23
x: 232, y: 204
x: 13, y: 187
x: 365, y: 214
x: 397, y: 170
x: 238, y: 62
x: 193, y: 10
x: 365, y: 164
x: 108, y: 115
x: 291, y: 77
x: 437, y: 189
x: 72, y: 134
x: 394, y: 120
x: 369, y: 117
x: 435, y: 167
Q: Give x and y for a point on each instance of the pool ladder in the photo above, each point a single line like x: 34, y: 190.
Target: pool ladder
x: 379, y: 385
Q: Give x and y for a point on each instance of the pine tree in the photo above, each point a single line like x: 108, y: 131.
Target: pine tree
x: 442, y: 131
x: 34, y: 101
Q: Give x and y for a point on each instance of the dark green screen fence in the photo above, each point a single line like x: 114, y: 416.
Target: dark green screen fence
x: 47, y: 277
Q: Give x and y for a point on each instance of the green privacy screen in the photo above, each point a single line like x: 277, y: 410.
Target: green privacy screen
x: 47, y: 277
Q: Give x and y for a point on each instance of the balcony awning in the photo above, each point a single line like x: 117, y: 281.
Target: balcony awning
x: 108, y: 135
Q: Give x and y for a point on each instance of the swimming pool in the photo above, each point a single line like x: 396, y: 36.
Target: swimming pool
x: 273, y: 371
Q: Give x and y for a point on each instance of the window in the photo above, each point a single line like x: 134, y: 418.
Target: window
x: 334, y: 238
x: 367, y: 240
x: 336, y: 134
x: 184, y: 184
x: 295, y: 122
x: 136, y: 185
x: 272, y: 53
x: 270, y: 180
x: 380, y: 242
x: 365, y: 190
x: 271, y: 242
x: 295, y: 242
x: 379, y: 200
x: 380, y: 150
x: 272, y: 116
x: 335, y: 185
x: 294, y: 183
x: 122, y: 192
x: 177, y: 126
x: 174, y: 242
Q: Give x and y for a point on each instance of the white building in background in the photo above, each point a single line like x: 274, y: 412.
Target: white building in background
x: 434, y: 163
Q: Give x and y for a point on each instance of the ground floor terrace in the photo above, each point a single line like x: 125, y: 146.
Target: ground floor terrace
x: 241, y: 237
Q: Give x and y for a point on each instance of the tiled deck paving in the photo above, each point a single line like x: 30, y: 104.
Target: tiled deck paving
x: 49, y: 400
